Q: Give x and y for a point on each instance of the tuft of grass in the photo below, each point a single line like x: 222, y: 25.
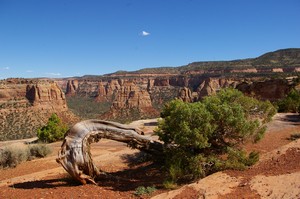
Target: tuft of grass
x: 141, y: 190
x: 170, y: 184
x: 13, y: 155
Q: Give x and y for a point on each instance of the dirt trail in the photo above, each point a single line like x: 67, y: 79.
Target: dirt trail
x: 44, y: 178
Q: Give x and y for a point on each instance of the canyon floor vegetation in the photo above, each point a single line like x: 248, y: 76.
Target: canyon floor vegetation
x: 13, y: 155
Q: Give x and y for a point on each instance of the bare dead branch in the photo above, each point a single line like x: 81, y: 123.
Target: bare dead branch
x: 75, y: 155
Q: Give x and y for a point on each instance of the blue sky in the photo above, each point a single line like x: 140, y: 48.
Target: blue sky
x: 63, y: 38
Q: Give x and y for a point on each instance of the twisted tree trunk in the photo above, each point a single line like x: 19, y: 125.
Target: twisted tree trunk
x: 75, y: 155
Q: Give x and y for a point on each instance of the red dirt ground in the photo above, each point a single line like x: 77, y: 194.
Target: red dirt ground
x: 44, y: 178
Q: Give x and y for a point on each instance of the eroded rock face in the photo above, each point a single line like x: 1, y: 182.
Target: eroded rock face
x: 147, y: 95
x: 186, y: 95
x: 272, y: 89
x: 72, y: 86
x: 102, y: 95
x: 26, y: 104
x: 161, y: 82
x: 264, y: 89
x: 46, y: 95
x: 131, y: 96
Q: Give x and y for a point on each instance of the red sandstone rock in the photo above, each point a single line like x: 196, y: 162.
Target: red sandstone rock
x: 26, y: 104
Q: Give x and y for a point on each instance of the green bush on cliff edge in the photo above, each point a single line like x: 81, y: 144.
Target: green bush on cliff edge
x: 53, y: 131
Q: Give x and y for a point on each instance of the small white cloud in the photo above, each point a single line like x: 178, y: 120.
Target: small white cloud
x: 5, y: 68
x: 144, y: 33
x: 29, y: 71
x: 54, y: 74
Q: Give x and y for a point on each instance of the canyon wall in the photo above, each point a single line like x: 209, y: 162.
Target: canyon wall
x: 26, y: 105
x: 145, y: 96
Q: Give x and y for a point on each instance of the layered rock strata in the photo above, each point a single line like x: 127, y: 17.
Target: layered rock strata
x: 26, y: 104
x: 145, y: 96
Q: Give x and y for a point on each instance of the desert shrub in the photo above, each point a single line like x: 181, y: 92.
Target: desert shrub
x: 197, y: 136
x: 39, y: 150
x: 13, y: 155
x: 291, y: 103
x: 141, y: 190
x: 238, y: 159
x: 53, y: 131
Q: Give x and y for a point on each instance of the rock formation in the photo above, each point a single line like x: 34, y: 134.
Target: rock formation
x: 46, y: 95
x: 186, y: 95
x: 270, y: 89
x: 145, y: 96
x: 72, y: 86
x: 26, y: 104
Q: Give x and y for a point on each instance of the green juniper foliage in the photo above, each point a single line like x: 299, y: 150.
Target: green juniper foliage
x: 197, y: 135
x: 53, y: 131
x: 291, y: 103
x: 141, y: 190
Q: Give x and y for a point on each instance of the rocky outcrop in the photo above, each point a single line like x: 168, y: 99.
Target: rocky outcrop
x: 161, y: 82
x: 272, y: 89
x: 145, y: 96
x: 130, y: 98
x: 46, y: 95
x: 102, y: 93
x: 26, y: 104
x: 186, y: 95
x: 212, y: 85
x: 72, y: 86
x: 264, y: 89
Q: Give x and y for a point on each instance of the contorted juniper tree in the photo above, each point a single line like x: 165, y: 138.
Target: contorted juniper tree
x: 75, y: 155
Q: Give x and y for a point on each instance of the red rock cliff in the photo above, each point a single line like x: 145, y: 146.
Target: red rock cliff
x: 148, y: 94
x: 26, y: 104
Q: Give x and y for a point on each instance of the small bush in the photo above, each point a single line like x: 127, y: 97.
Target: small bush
x: 11, y: 156
x: 39, y: 150
x: 238, y: 159
x: 291, y: 103
x: 170, y: 184
x: 53, y: 131
x: 141, y: 190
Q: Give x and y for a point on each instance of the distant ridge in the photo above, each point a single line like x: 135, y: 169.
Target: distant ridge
x: 280, y: 58
x: 288, y: 59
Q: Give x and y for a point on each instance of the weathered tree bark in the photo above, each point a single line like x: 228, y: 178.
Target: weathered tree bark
x: 75, y: 155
